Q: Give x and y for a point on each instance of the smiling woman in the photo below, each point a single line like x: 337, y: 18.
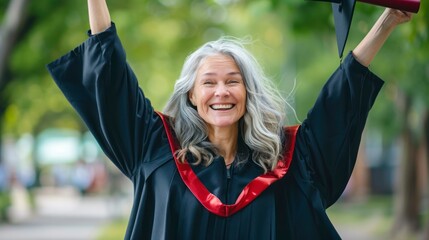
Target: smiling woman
x: 218, y: 162
x: 219, y: 95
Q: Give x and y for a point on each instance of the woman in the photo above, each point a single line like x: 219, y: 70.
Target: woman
x: 217, y: 164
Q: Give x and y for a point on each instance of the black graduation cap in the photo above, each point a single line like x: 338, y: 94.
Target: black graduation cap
x: 343, y: 14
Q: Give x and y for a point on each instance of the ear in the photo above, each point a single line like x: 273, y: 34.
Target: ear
x: 191, y: 97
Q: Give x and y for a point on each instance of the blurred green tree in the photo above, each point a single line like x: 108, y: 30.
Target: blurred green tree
x: 157, y: 36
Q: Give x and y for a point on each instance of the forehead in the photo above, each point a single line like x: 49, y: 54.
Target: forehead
x: 217, y: 64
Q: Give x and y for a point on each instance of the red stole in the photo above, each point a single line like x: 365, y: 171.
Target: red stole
x: 252, y: 190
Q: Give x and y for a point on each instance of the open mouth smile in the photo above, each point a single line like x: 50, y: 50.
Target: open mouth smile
x: 222, y: 106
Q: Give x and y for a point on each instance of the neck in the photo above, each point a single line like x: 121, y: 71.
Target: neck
x: 225, y: 140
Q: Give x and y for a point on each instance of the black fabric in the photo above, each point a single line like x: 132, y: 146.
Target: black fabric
x: 103, y: 89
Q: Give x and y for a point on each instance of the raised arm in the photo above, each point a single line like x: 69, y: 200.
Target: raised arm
x: 99, y: 16
x: 374, y: 40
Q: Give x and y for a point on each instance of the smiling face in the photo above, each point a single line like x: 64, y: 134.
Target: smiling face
x: 219, y: 93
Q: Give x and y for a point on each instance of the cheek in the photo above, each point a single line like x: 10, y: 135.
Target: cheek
x: 203, y: 96
x: 244, y: 103
x: 244, y: 97
x: 198, y: 97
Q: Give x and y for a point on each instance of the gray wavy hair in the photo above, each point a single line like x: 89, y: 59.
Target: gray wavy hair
x: 260, y: 127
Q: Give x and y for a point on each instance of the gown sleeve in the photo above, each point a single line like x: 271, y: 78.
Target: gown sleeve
x: 101, y: 86
x: 330, y: 135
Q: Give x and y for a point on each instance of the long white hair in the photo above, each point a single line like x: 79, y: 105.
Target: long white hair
x: 261, y: 125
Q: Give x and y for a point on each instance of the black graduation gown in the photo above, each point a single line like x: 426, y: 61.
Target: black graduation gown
x: 103, y: 89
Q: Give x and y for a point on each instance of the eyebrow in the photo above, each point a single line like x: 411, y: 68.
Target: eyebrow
x: 213, y: 74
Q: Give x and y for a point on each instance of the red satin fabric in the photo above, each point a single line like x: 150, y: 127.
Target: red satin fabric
x: 249, y: 192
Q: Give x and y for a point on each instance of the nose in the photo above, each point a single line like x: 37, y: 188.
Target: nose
x: 221, y: 90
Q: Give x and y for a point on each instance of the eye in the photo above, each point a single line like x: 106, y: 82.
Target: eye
x: 207, y: 82
x: 233, y: 81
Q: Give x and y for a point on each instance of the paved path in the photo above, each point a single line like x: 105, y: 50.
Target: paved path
x: 59, y: 215
x: 62, y: 214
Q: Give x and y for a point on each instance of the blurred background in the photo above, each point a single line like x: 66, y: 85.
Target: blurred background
x: 55, y: 183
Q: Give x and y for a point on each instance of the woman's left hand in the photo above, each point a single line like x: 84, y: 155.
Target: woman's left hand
x: 393, y: 17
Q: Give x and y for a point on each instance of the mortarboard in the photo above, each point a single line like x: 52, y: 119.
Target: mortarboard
x: 343, y: 14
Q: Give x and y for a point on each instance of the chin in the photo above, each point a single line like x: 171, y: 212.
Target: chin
x: 225, y: 124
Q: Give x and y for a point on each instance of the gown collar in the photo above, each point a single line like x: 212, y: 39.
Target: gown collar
x: 251, y: 191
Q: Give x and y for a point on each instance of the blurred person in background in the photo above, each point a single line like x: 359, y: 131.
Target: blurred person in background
x: 82, y: 177
x: 4, y: 178
x: 218, y: 162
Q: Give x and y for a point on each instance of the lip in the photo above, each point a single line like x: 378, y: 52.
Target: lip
x: 222, y: 106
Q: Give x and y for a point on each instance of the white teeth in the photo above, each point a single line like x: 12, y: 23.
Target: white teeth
x: 222, y: 106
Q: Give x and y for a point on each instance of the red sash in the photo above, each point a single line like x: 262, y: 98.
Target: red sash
x: 252, y: 190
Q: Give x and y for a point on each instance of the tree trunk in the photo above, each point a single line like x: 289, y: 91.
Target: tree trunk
x: 407, y: 195
x: 12, y: 24
x: 14, y: 19
x: 426, y: 143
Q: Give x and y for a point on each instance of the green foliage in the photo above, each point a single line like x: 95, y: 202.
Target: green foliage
x: 403, y: 61
x: 157, y: 36
x: 3, y: 5
x: 417, y: 82
x: 404, y: 64
x: 294, y: 41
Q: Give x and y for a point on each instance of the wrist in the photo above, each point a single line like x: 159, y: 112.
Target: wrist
x: 385, y: 24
